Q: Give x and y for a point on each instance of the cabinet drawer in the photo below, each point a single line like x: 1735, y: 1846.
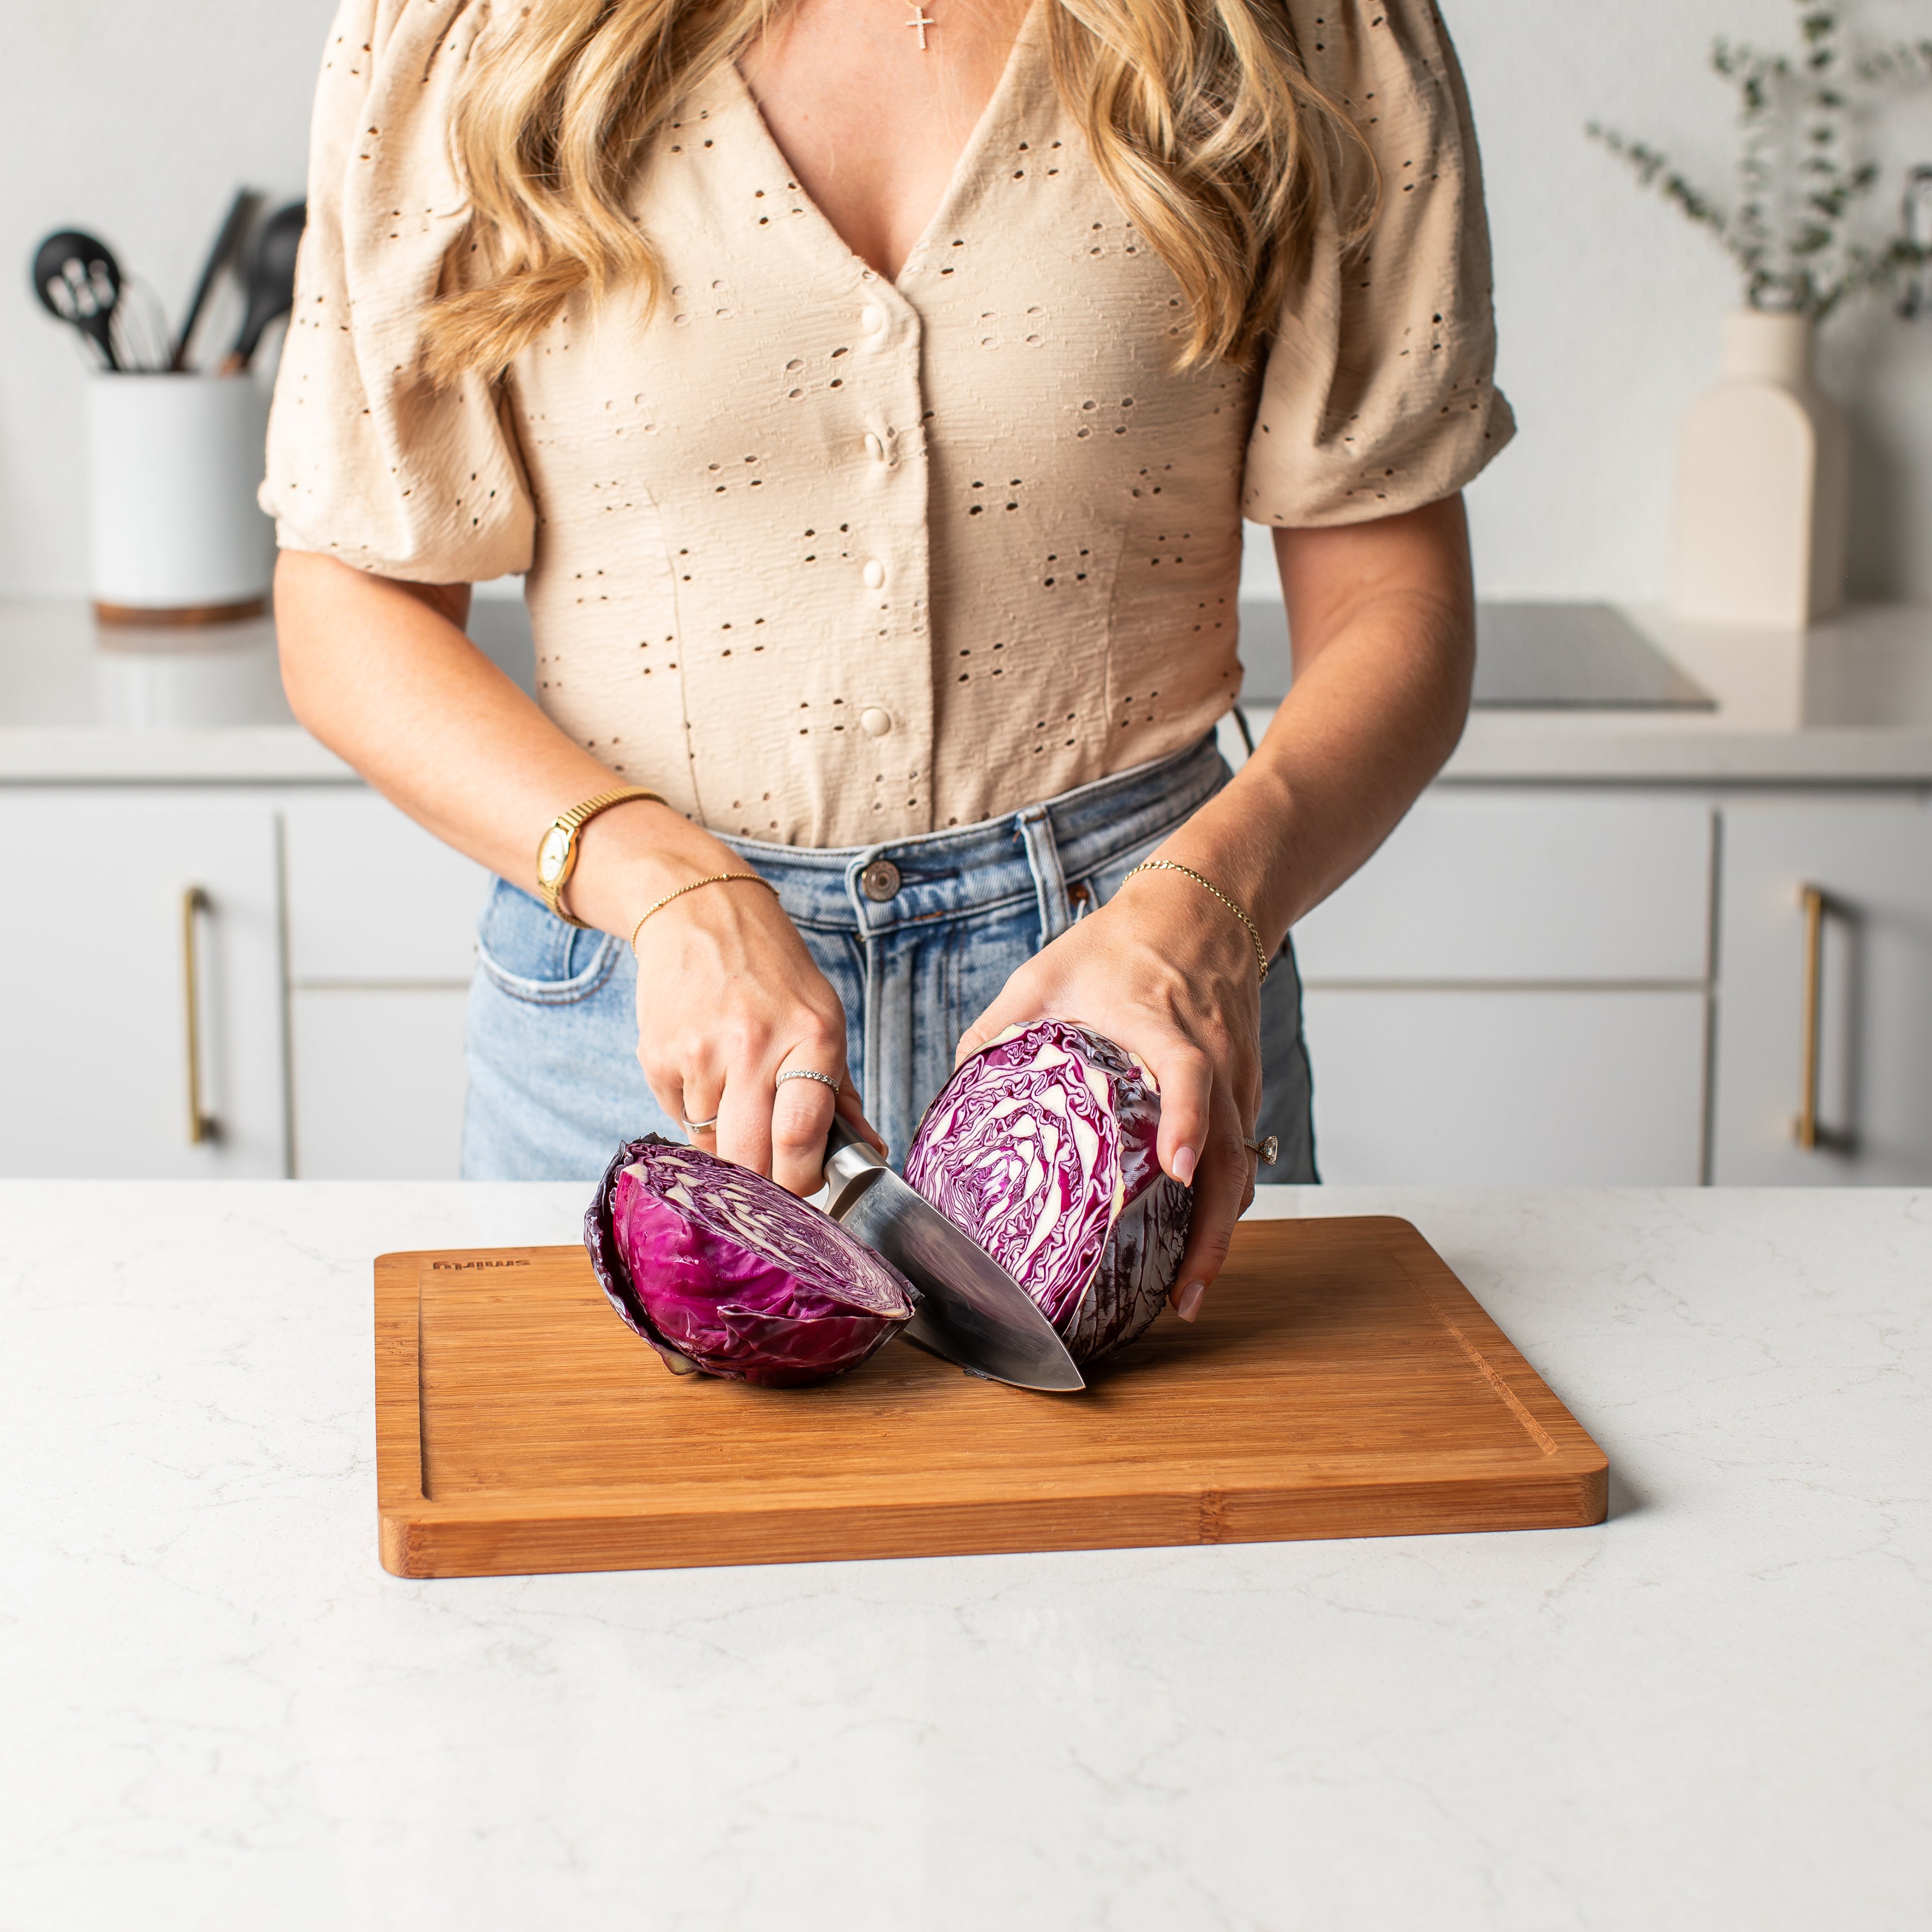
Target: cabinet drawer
x: 379, y: 1082
x: 372, y: 896
x: 117, y: 1006
x: 1508, y: 1087
x: 1867, y: 1030
x: 1520, y: 886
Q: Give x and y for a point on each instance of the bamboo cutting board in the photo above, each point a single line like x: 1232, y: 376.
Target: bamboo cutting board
x: 1341, y: 1381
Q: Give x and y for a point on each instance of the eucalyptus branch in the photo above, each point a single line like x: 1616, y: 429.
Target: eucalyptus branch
x: 1907, y: 64
x: 1654, y: 170
x: 1798, y: 186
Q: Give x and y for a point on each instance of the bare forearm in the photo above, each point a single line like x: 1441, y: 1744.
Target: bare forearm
x: 382, y: 673
x: 1383, y: 626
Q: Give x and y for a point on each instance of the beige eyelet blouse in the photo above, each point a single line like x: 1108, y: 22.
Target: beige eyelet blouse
x: 829, y: 560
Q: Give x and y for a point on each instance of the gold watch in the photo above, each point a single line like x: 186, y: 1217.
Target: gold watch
x: 556, y: 850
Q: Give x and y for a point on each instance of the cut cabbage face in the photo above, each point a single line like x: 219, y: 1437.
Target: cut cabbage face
x: 721, y: 1271
x: 1042, y: 1148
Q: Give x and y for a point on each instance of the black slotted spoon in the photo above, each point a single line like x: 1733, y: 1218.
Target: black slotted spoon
x: 79, y: 281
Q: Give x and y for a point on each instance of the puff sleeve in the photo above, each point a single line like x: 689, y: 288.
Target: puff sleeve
x: 1379, y: 393
x: 367, y: 461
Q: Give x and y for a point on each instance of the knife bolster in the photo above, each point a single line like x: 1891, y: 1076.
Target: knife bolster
x: 850, y: 1169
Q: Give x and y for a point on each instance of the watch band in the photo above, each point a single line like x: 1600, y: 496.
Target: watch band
x: 570, y: 823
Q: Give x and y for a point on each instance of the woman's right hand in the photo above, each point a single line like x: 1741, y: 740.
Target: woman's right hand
x: 728, y: 998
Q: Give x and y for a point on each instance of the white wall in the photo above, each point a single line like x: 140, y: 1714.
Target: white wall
x: 1608, y: 299
x: 136, y: 121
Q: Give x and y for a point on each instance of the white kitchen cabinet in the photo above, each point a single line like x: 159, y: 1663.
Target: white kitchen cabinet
x: 104, y: 987
x: 341, y: 1059
x: 374, y: 899
x: 1525, y: 885
x: 381, y: 921
x: 1515, y: 990
x: 1507, y: 1085
x: 378, y: 1081
x: 1873, y: 861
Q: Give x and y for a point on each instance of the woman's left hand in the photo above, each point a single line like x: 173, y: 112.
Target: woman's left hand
x: 1165, y: 971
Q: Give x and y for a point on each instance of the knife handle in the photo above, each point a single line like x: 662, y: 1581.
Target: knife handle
x: 850, y: 1162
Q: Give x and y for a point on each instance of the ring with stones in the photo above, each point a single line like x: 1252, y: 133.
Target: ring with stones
x: 1266, y: 1152
x: 806, y: 1073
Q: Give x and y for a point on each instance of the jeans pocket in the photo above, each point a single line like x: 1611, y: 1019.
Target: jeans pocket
x: 1142, y: 835
x: 1105, y: 879
x: 525, y: 951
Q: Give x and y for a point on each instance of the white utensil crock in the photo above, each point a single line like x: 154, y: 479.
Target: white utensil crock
x: 174, y: 463
x: 1763, y: 481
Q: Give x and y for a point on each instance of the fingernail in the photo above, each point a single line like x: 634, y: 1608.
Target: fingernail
x: 1188, y: 1304
x: 1183, y: 1165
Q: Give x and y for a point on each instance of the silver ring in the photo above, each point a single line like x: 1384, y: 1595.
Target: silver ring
x: 806, y: 1073
x: 699, y: 1127
x: 1266, y: 1152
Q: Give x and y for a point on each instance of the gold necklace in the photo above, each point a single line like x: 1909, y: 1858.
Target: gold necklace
x: 921, y: 20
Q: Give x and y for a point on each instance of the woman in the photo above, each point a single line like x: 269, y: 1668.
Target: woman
x: 872, y: 394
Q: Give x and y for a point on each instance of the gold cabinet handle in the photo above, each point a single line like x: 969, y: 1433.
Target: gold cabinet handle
x: 201, y: 1126
x: 1809, y: 1132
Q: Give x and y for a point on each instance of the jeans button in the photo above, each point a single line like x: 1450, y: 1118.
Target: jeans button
x: 880, y: 880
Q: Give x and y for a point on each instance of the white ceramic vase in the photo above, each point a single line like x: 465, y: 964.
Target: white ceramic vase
x: 174, y: 462
x: 1763, y: 479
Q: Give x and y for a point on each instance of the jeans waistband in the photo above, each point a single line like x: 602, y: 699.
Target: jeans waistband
x: 1033, y: 852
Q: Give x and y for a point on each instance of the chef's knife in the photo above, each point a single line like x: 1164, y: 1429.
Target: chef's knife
x: 967, y: 1308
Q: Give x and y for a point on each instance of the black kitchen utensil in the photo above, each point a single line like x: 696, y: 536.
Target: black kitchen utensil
x: 1915, y: 297
x: 78, y: 280
x: 268, y: 280
x: 241, y: 210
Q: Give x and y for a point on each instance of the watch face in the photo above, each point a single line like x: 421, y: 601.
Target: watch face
x: 551, y: 853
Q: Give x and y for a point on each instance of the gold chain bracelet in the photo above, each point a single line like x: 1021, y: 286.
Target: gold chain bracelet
x: 1208, y: 885
x: 715, y: 879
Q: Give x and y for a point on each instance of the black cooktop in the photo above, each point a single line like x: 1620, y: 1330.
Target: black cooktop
x: 1574, y: 657
x: 1529, y: 657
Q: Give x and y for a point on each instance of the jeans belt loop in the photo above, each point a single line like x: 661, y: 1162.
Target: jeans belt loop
x: 863, y: 908
x: 1042, y: 851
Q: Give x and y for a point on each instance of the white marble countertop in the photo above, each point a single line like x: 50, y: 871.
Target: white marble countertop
x: 1850, y: 702
x: 1713, y: 1710
x: 86, y: 703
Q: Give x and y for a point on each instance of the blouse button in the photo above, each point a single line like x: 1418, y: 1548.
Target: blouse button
x: 875, y: 575
x: 875, y: 722
x: 873, y: 317
x: 874, y: 449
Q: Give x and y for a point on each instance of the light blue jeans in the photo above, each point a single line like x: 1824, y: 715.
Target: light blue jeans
x: 554, y: 1081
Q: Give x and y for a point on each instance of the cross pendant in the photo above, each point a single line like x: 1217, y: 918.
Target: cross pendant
x: 921, y: 20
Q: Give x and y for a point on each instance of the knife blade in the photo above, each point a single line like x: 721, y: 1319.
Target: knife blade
x: 968, y: 1309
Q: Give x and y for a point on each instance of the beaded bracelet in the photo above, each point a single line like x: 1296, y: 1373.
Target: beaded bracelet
x: 1208, y: 885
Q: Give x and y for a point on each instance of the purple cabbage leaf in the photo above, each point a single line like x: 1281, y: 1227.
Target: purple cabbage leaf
x: 1042, y: 1148
x: 721, y: 1271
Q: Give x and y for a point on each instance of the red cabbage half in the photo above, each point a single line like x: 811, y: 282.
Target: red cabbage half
x: 720, y: 1270
x: 1041, y: 1147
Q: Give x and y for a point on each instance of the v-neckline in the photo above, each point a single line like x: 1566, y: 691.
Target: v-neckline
x: 965, y: 167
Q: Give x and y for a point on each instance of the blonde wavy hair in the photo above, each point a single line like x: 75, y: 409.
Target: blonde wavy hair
x: 1199, y: 115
